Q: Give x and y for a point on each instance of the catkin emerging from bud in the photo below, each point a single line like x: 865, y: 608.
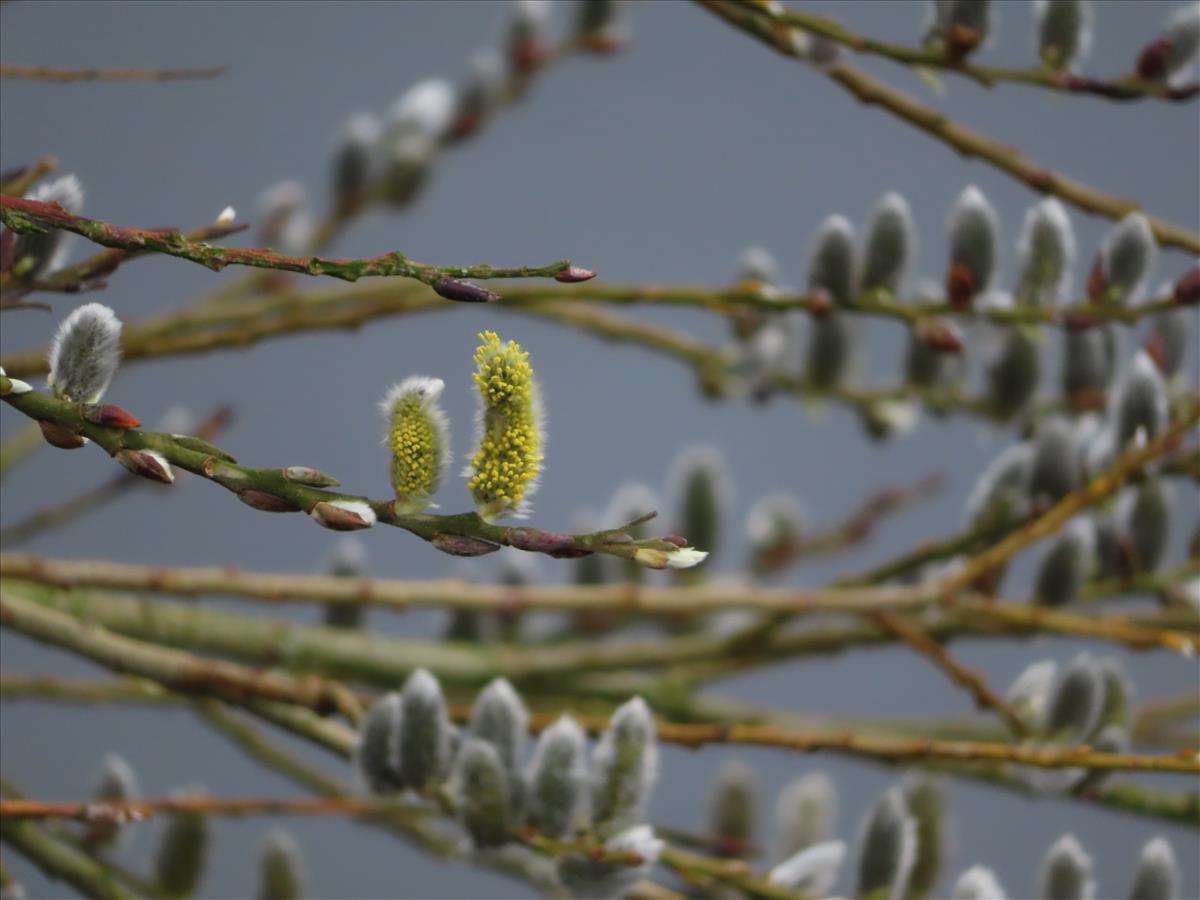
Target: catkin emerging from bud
x: 1067, y: 564
x: 812, y: 871
x: 1145, y: 516
x: 1045, y: 253
x: 354, y: 160
x: 484, y: 792
x: 831, y: 264
x: 973, y: 247
x: 1001, y: 495
x: 926, y: 799
x: 804, y: 813
x: 1140, y: 401
x: 587, y: 878
x: 424, y: 731
x: 116, y: 783
x: 1077, y: 702
x: 182, y: 854
x: 377, y: 754
x: 504, y: 469
x: 558, y: 779
x: 978, y: 883
x: 889, y: 245
x: 281, y: 868
x: 1125, y: 262
x: 418, y: 436
x: 701, y: 489
x: 1170, y: 57
x: 624, y: 767
x: 887, y: 848
x: 1056, y: 463
x: 1157, y: 876
x: 35, y: 255
x: 1066, y: 872
x: 500, y: 718
x: 734, y: 811
x: 1064, y: 31
x: 85, y: 354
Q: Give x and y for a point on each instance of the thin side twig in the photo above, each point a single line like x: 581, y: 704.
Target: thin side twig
x: 63, y: 76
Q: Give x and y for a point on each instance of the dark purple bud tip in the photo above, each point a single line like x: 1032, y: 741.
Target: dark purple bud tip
x: 676, y: 540
x: 1187, y: 288
x: 574, y: 275
x: 464, y: 291
x: 110, y: 416
x: 461, y: 545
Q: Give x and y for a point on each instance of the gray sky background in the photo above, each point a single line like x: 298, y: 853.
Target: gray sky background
x: 660, y: 164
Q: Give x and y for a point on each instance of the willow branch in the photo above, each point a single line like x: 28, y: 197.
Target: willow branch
x: 59, y: 861
x: 1009, y: 160
x: 1128, y: 87
x: 62, y: 76
x: 19, y: 180
x: 280, y: 490
x: 1130, y: 463
x: 23, y: 215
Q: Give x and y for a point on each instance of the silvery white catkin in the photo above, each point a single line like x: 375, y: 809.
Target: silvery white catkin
x: 348, y: 559
x: 1045, y: 254
x: 1145, y: 513
x: 1126, y: 261
x: 974, y: 240
x: 1066, y: 872
x: 1182, y: 32
x: 1118, y: 693
x: 182, y: 853
x: 1056, y: 462
x: 589, y: 879
x: 978, y: 883
x: 85, y: 353
x: 889, y: 245
x: 1067, y: 564
x: 1077, y: 700
x: 484, y: 793
x: 424, y: 731
x: 926, y: 799
x: 887, y: 848
x: 1168, y: 338
x: 1139, y: 401
x: 557, y: 779
x: 479, y: 93
x: 116, y: 783
x: 1064, y: 31
x: 1157, y: 876
x: 35, y: 255
x: 831, y: 261
x: 355, y: 158
x: 281, y: 868
x: 1089, y: 360
x: 377, y: 753
x: 734, y: 810
x: 624, y: 768
x: 415, y: 126
x: 1029, y: 694
x: 1013, y: 375
x: 1001, y: 494
x: 831, y: 348
x: 499, y: 717
x: 804, y: 813
x: 700, y: 487
x: 757, y: 265
x: 811, y: 871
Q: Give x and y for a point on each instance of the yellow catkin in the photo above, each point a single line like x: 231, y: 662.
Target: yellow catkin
x: 417, y: 437
x: 508, y: 459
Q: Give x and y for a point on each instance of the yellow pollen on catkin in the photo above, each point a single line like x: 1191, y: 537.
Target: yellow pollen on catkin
x: 415, y: 439
x: 509, y: 455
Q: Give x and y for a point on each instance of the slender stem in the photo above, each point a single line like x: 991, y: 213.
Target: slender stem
x: 59, y: 861
x: 23, y: 215
x: 872, y: 91
x: 61, y: 76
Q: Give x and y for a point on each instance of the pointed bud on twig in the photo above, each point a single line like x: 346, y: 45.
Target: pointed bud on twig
x: 1140, y: 401
x: 631, y: 501
x: 478, y: 95
x: 1157, y: 876
x: 377, y: 753
x: 1186, y: 290
x: 309, y: 476
x: 280, y: 868
x: 830, y: 352
x: 463, y: 291
x: 1056, y: 460
x: 61, y: 436
x: 804, y: 813
x: 887, y: 848
x: 1145, y: 522
x: 831, y: 263
x: 116, y: 784
x: 573, y: 274
x: 182, y: 854
x: 85, y: 354
x: 500, y: 718
x: 958, y: 27
x: 978, y: 883
x: 227, y: 216
x: 424, y: 731
x: 509, y: 430
x: 1089, y: 361
x: 926, y: 799
x: 1066, y: 872
x: 1124, y: 263
x: 589, y: 876
x: 1045, y: 254
x: 354, y: 161
x: 756, y: 268
x: 973, y: 247
x: 35, y: 255
x: 734, y: 811
x: 418, y: 435
x: 484, y: 793
x: 265, y: 502
x: 624, y: 768
x: 1067, y: 564
x: 1077, y: 700
x: 146, y: 463
x: 812, y: 871
x: 889, y: 245
x: 1014, y: 373
x: 557, y: 779
x: 1029, y: 694
x: 109, y: 415
x: 1064, y: 31
x: 13, y: 386
x: 1001, y: 495
x: 343, y: 515
x: 1170, y: 56
x: 940, y: 335
x: 462, y: 545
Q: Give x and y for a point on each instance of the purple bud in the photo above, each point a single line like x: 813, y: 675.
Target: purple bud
x: 463, y: 291
x: 574, y: 274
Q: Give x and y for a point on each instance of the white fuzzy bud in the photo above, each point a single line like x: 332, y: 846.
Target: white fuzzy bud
x: 700, y: 486
x: 1029, y: 694
x: 1064, y: 31
x: 589, y: 879
x: 182, y: 854
x: 926, y: 800
x: 1066, y: 872
x: 424, y: 731
x: 35, y: 255
x: 1056, y: 460
x: 1170, y: 333
x: 227, y: 216
x: 805, y: 813
x: 978, y: 883
x: 479, y: 94
x: 624, y: 768
x: 281, y: 868
x: 974, y: 240
x: 1045, y: 254
x: 812, y: 871
x: 1014, y: 373
x: 85, y: 354
x: 887, y: 848
x: 889, y: 245
x: 355, y: 157
x: 484, y: 793
x: 500, y: 718
x: 343, y: 515
x: 557, y: 779
x: 1002, y: 492
x: 1067, y: 564
x: 734, y: 811
x: 116, y: 783
x: 1089, y: 361
x: 1144, y: 514
x: 1182, y: 36
x: 1077, y: 700
x: 1126, y: 262
x: 377, y: 753
x: 1140, y: 401
x: 831, y: 262
x: 831, y: 350
x: 418, y: 437
x: 426, y: 108
x: 757, y: 266
x: 1157, y: 876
